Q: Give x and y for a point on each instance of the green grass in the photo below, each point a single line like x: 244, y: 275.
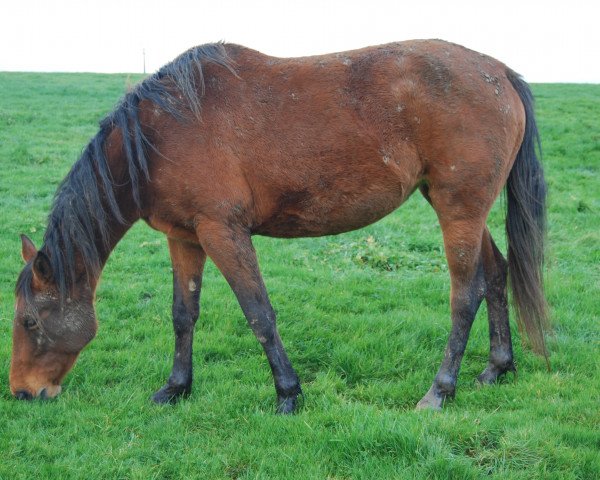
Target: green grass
x: 364, y: 317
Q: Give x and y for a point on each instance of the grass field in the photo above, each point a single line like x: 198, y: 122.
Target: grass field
x: 364, y: 317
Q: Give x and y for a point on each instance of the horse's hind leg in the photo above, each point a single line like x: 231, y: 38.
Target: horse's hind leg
x: 232, y: 251
x: 501, y: 353
x: 462, y: 241
x: 188, y: 263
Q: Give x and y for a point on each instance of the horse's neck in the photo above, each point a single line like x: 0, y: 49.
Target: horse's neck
x: 92, y: 249
x: 124, y: 198
x: 117, y: 231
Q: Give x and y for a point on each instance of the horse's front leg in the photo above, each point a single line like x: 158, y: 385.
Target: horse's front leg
x: 231, y: 250
x: 188, y: 263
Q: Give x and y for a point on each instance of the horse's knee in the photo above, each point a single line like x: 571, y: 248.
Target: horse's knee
x: 263, y: 325
x: 186, y: 306
x: 184, y: 317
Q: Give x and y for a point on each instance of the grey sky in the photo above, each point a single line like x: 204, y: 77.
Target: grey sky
x: 546, y: 41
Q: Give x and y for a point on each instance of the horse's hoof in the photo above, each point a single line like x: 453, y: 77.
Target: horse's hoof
x: 171, y: 394
x: 287, y: 405
x: 492, y: 373
x: 431, y: 401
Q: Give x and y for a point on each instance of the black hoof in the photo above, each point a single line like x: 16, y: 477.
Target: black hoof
x: 286, y: 405
x: 171, y: 394
x: 493, y: 373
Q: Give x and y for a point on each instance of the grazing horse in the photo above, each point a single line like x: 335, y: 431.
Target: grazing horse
x: 225, y: 142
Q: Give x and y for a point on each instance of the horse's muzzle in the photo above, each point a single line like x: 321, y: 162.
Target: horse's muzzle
x: 44, y: 393
x: 23, y: 395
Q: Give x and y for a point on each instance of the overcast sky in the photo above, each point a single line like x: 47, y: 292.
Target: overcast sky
x: 546, y: 41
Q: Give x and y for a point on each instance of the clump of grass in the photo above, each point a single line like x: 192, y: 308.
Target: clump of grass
x: 389, y: 255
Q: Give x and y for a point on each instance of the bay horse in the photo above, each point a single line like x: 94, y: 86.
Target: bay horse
x: 224, y: 143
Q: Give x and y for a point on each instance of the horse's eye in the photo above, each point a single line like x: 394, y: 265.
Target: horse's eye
x: 29, y: 323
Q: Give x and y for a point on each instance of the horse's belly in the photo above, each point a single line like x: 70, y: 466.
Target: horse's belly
x: 300, y: 214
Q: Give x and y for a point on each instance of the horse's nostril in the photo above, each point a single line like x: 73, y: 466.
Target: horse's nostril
x: 23, y: 395
x: 43, y: 395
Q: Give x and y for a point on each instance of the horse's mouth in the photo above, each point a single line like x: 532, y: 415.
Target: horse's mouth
x: 49, y: 392
x: 43, y: 393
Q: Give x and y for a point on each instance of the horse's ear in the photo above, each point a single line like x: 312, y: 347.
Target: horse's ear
x: 42, y: 268
x: 28, y: 250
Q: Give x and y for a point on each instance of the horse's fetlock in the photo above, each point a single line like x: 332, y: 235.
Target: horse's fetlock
x: 180, y: 380
x: 445, y: 385
x: 288, y: 388
x: 502, y: 360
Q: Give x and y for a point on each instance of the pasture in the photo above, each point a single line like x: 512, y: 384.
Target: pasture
x: 364, y: 317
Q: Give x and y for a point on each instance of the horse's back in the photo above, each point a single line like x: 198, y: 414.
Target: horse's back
x: 329, y: 143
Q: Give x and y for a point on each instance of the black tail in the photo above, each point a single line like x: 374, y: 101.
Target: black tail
x: 526, y: 228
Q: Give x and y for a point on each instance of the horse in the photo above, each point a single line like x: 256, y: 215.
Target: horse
x: 225, y: 142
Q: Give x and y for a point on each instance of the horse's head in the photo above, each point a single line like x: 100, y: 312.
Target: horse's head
x: 49, y: 328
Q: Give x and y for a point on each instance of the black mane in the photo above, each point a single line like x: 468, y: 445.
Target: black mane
x: 85, y: 202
